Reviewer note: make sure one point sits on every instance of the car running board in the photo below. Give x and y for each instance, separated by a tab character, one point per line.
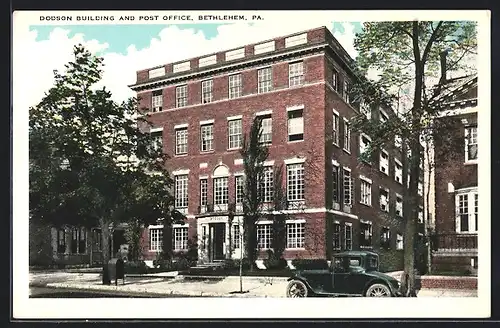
325	293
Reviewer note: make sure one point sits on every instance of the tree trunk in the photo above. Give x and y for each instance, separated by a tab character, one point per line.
229	251
105	256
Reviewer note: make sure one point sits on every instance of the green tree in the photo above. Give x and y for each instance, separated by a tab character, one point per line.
90	163
407	57
279	217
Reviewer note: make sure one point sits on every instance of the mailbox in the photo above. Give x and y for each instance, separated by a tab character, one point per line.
116	270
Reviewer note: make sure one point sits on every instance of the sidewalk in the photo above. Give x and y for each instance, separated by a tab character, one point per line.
256	287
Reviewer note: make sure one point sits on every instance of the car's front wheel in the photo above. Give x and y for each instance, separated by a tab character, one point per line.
296	288
378	290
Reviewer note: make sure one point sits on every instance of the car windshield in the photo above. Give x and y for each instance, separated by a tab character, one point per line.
372	263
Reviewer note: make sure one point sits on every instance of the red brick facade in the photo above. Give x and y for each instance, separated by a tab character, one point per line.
318	100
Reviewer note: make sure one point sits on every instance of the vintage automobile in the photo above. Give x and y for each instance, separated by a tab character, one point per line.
351	273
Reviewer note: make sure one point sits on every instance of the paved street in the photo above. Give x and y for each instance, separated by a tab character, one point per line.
90	285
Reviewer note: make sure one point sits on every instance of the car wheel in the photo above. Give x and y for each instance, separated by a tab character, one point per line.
296	288
378	290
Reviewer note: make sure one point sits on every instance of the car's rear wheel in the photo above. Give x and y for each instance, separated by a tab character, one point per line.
296	288
378	290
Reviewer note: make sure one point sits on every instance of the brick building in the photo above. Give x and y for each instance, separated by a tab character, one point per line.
200	108
454	185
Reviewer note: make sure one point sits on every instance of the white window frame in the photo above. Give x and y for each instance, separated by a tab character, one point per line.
239	185
385	236
399	205
467	208
207	88
399	241
366	191
267	187
180	238
297	122
295	183
365	109
347	136
336	236
155	239
157	137
181	191
203	192
347	236
336	185
235	236
207	137
264	233
235	86
221	191
398	142
181	96
265	79
384	163
266	136
471	139
295	235
335	79
335	128
381	199
235	133
157	101
398	171
368	232
181	141
363	146
347	187
346	87
295	74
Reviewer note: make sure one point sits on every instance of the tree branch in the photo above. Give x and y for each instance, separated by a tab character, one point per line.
433	38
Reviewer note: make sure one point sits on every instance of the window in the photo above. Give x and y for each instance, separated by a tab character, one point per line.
74	241
347	136
180	238
181	96
364	142
264	236
335	185
82	240
207	91
398	142
295	182
398	171
467	206
399	205
295	235
384	199
234	127
365	234
78	241
157	101
181	141
399	241
181	191
335	79
348	188
266	189
96	240
348	236
155	239
366	192
265	80
157	140
221	196
336	236
383	116
235	86
335	129
235	236
207	137
295	74
346	90
366	110
471	143
295	125
385	237
384	162
203	192
266	129
239	189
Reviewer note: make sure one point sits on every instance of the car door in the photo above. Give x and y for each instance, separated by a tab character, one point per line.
354	279
339	273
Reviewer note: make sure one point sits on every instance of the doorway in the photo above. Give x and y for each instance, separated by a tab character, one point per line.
217	241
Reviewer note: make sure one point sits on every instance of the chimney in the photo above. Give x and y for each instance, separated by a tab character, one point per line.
443	55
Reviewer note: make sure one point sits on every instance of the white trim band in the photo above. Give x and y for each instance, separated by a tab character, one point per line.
295	107
335	163
181	126
236	117
295	221
268	163
207	122
264	113
158	129
180	172
362	177
294	161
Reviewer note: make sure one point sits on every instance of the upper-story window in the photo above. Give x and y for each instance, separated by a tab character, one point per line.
207	137
235	133
398	171
366	110
471	145
366	191
348	187
296	74
207	91
266	189
398	142
157	137
399	205
384	161
364	143
346	90
335	79
295	125
181	191
235	86
295	181
181	96
384	199
466	202
157	101
335	128
266	135
347	136
265	79
181	140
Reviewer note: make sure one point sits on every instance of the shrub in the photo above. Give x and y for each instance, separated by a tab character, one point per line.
230	264
245	264
275	264
310	264
138	267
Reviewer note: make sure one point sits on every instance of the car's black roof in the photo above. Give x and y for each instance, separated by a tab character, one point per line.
356	253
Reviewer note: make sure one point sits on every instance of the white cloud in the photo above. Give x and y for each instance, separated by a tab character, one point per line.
35	60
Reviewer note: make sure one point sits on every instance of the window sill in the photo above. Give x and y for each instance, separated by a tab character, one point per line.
295	249
336	144
347	151
295	141
232	149
203	152
368	205
180	155
472	162
467	232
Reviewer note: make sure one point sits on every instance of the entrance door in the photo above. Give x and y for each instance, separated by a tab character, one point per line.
218	235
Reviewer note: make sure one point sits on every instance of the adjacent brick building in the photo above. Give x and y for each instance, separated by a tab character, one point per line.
454	181
200	108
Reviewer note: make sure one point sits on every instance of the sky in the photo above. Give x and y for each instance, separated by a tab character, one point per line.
128	48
